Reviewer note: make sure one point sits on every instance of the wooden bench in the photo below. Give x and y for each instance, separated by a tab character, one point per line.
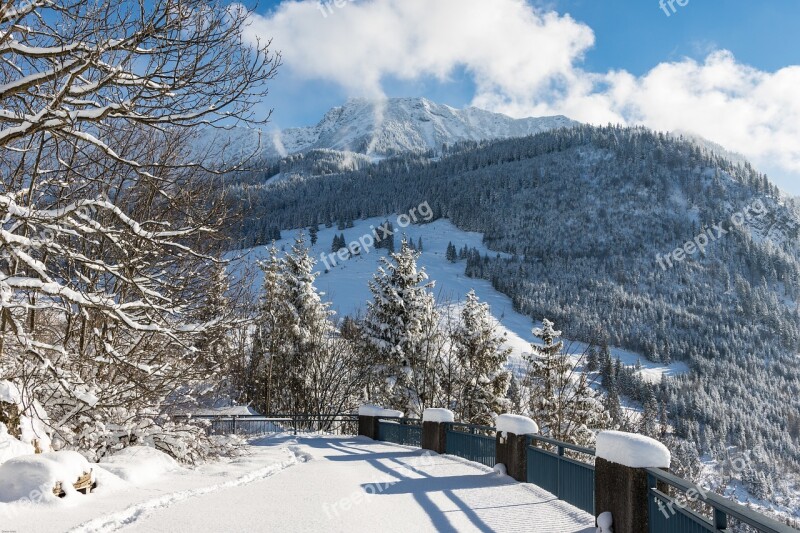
84	485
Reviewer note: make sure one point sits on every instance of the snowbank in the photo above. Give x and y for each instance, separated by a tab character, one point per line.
33	477
374	410
139	464
516	424
604	523
441	416
631	450
11	447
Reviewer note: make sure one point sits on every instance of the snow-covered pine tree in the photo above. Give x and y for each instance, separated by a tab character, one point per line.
451	254
648	424
479	350
400	331
270	340
561	400
308	324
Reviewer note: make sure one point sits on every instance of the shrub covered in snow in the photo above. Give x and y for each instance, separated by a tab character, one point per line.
139	464
11	447
29	419
187	441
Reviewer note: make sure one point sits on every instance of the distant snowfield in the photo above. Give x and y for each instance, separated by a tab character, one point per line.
346	284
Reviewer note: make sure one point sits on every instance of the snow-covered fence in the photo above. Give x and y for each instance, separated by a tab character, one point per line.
472	442
667	508
405	431
625	480
571	479
326	424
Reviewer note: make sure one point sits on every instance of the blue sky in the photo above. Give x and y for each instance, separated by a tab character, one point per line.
723	70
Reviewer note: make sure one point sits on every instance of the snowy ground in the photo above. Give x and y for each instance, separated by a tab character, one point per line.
314	484
345	284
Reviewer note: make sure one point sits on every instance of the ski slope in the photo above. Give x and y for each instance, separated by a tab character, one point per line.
345	284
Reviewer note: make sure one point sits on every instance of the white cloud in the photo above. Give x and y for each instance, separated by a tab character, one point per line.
527	62
506	45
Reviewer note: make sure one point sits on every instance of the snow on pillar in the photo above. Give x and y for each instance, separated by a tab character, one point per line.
512	444
368	417
620	485
434	429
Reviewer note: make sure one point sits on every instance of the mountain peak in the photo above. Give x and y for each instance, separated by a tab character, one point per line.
379	127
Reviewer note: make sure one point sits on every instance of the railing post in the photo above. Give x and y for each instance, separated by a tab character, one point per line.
369	417
622	487
435	423
720	520
512	444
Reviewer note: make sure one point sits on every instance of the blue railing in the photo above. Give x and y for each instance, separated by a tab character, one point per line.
405	431
253	425
472	442
669	514
568	479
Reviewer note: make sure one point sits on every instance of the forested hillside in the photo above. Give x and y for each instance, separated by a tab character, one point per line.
588	215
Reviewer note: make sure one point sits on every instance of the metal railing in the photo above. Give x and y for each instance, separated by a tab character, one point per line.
405	431
552	465
252	425
568	479
669	514
472	442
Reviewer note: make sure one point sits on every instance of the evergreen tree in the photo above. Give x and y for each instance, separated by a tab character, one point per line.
292	328
313	233
482	358
400	324
592	360
450	255
561	400
649	422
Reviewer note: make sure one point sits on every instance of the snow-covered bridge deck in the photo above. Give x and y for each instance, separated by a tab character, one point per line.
355	484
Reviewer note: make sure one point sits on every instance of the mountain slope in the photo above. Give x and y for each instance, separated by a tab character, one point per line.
583	214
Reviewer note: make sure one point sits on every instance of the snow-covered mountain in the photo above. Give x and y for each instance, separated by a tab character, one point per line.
390	126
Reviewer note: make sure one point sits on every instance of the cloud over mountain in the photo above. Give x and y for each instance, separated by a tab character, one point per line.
527	62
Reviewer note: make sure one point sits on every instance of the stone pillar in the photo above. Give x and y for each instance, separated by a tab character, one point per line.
621	479
512	451
434	429
512	444
368	426
368	418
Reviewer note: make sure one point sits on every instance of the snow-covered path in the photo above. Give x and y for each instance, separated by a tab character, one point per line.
354	484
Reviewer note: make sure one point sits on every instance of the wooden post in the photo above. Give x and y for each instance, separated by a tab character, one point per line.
512	451
435	423
512	444
621	484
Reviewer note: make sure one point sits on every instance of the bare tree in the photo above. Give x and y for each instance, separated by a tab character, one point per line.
108	212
